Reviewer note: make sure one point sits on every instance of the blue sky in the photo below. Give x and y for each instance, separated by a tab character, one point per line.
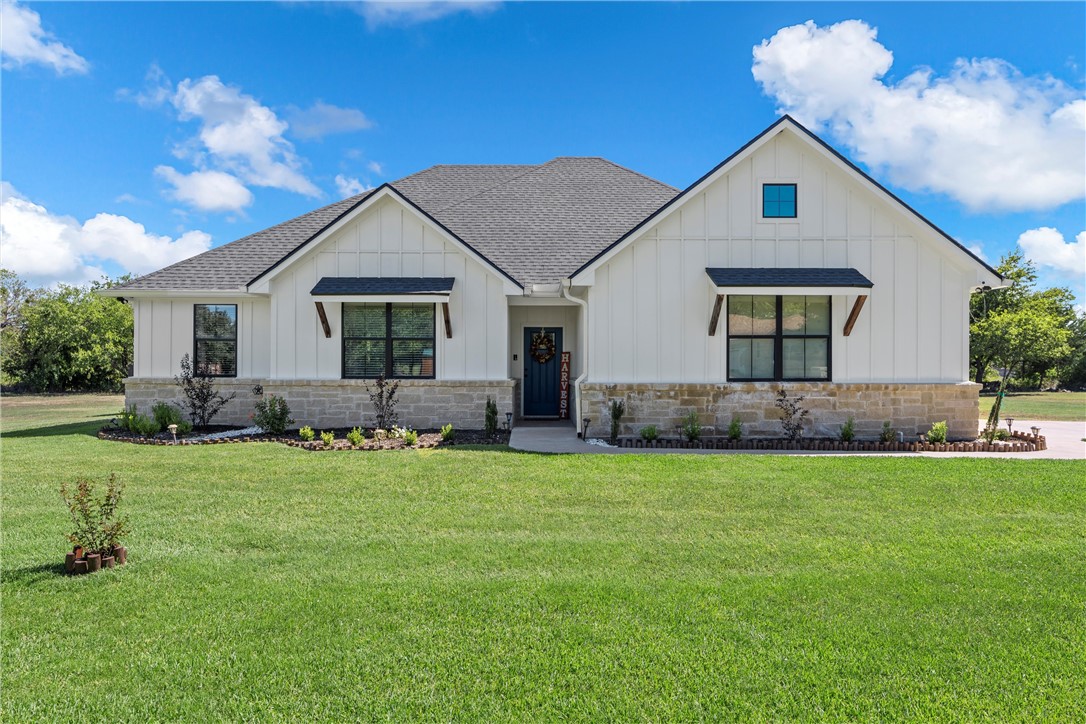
135	134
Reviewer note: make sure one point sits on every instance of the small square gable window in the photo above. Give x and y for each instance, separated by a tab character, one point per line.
778	201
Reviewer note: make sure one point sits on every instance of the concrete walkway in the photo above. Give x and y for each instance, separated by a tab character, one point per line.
1064	443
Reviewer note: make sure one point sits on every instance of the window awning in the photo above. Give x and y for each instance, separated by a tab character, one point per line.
788	280
383	289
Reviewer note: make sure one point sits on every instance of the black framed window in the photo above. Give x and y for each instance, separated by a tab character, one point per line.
778	338
778	201
215	340
390	339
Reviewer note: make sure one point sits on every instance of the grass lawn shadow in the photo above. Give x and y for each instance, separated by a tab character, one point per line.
72	428
34	574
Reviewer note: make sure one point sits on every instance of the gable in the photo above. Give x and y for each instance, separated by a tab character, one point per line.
837	202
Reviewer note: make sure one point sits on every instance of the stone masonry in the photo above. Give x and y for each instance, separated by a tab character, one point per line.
422	404
910	408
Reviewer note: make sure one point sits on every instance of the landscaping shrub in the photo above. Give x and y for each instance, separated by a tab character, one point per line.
937	433
888	434
272	413
848	431
383	399
144	425
735	429
490	417
410	438
306	433
201	398
447	432
126	416
692	426
618	409
379	434
792	414
649	433
166	414
356	437
328	438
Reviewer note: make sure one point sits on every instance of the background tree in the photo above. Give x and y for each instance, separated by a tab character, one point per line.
1025	331
70	338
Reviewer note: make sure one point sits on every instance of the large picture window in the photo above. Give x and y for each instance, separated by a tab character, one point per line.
215	340
778	338
394	340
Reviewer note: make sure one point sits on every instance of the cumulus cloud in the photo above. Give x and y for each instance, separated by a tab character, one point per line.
240	135
206	190
376	167
47	248
350	186
984	134
324	119
1047	247
404	12
23	41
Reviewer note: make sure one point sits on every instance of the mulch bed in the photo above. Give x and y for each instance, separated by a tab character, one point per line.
427	439
1018	442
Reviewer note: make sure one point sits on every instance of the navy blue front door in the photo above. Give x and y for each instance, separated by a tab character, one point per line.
541	379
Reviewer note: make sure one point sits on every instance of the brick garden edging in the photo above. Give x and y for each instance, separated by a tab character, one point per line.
426	440
1020	442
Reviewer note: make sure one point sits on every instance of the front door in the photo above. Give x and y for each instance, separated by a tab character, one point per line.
542	365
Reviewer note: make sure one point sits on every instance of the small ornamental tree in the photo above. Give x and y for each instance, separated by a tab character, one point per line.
202	400
793	414
383	399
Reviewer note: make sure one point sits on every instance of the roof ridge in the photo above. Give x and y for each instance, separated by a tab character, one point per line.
530	169
637	173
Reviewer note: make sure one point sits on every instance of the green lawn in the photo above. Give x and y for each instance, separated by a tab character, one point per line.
1070	406
265	582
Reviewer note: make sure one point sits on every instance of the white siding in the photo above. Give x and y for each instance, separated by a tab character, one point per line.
650	304
389	241
163	335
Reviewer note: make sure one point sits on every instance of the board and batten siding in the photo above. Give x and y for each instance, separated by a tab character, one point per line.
387	240
650	303
164	327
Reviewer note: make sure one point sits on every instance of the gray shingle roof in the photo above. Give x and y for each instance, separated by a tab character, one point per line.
231	266
536	223
334	286
787	277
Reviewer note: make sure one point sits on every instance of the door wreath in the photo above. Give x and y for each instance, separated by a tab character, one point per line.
542	347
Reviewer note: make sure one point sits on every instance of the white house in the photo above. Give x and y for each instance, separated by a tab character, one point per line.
783	267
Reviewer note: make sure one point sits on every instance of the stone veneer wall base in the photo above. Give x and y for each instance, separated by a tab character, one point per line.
422	404
909	407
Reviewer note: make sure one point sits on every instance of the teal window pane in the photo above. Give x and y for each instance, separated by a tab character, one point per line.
779	201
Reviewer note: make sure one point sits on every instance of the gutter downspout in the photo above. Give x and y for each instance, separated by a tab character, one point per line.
566	284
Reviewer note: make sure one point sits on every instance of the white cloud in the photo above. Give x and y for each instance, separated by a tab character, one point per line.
404	12
126	198
47	248
376	168
206	190
240	135
983	134
324	119
1046	247
24	42
349	186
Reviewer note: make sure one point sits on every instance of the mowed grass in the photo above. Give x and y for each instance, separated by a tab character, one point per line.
1069	406
266	582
